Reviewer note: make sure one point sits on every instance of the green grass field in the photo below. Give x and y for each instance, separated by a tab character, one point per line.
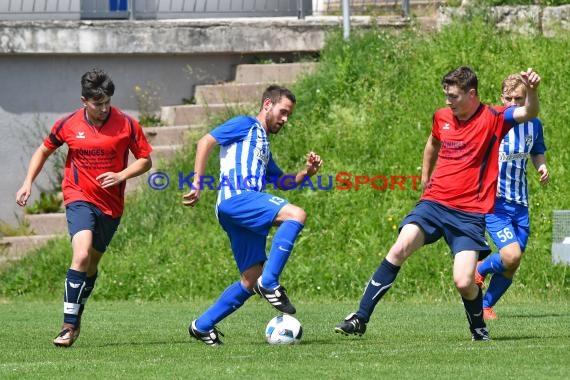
143	340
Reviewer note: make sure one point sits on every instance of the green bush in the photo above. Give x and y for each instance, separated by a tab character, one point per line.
367	111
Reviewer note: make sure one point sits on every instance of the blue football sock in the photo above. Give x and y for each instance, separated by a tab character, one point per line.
378	285
74	289
89	286
497	287
230	300
474	311
281	248
492	264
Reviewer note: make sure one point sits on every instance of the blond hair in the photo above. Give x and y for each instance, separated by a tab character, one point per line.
513	82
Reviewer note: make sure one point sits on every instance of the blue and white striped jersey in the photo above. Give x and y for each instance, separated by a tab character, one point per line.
246	163
522	141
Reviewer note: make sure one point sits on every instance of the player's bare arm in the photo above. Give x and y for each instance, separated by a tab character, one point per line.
531	107
431	151
539	162
203	149
34	168
140	166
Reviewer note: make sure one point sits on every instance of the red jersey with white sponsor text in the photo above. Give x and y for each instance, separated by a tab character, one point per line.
94	151
465	177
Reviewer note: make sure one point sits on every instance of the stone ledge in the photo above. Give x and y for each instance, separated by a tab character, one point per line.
14	248
47	224
204	36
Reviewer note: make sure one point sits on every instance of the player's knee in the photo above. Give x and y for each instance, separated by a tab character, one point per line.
398	253
511	259
249	276
80	260
248	284
512	264
463	284
292	212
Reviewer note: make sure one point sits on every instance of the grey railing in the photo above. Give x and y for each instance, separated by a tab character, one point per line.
175	9
179	9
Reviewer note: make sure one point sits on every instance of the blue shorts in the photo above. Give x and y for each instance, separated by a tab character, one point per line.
462	231
510	223
247	218
83	215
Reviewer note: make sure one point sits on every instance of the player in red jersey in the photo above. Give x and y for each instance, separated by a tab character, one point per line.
458	192
99	138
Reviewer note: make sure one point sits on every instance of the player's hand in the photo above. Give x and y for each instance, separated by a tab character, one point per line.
425	182
191	198
543	173
531	78
109	179
23	195
314	163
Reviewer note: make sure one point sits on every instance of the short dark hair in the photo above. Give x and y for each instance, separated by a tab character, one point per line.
95	84
463	77
275	93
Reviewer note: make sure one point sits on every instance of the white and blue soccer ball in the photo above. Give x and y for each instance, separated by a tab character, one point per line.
284	329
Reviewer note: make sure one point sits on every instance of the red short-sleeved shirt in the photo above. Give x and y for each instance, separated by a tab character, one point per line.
465	176
93	151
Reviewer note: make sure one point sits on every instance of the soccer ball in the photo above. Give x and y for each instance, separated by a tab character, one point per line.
284	329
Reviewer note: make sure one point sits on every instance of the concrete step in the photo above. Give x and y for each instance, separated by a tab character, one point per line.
232	92
197	115
47	224
168	135
273	73
13	248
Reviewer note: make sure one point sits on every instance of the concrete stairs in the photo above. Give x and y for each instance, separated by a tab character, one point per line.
218	101
213	103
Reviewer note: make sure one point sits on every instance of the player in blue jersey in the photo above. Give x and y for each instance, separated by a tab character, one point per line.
509	225
246	212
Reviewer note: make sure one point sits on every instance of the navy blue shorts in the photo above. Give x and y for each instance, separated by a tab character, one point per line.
462	231
83	215
247	218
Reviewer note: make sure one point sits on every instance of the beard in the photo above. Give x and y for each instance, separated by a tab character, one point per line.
272	125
